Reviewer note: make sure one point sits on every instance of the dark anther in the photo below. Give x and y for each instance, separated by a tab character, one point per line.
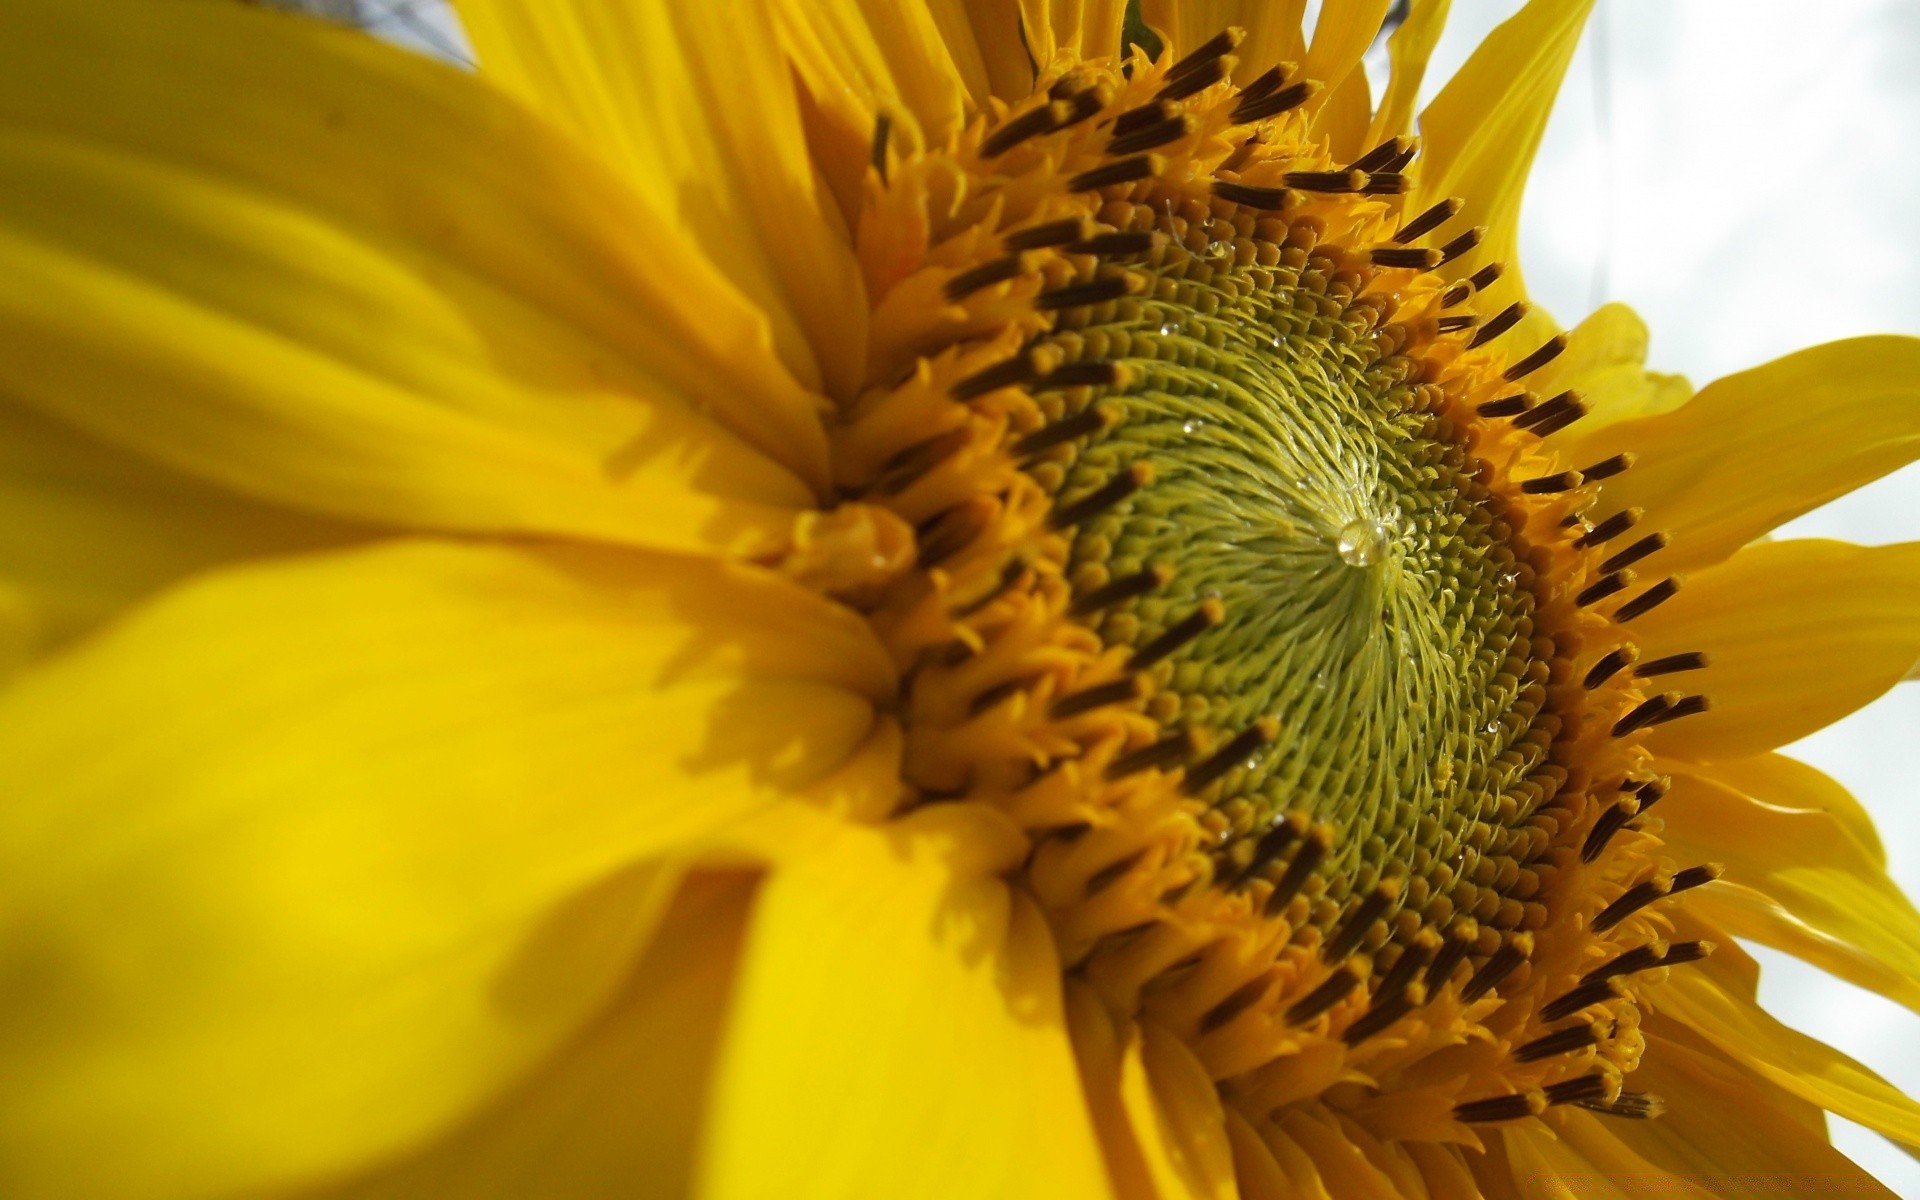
1581	1088
1272	844
1108	494
1608	529
1385	1011
1547	410
877	149
1083	104
1686	706
1484	277
1267	199
1632	554
1158	134
1238	1001
1607	468
994	695
1583	996
1427	221
1210	613
985	275
1411	258
1116	245
1627	962
1638	1106
1197	80
1229	756
1377	158
1608	665
1455	295
1455	322
1460	245
1029	124
1414	956
1612	821
1168	752
1220	43
1650	791
1504	962
1501	1108
1094	291
1632	901
1539	358
1692	660
1505	406
1644	713
1548	426
1116	591
1331	991
1285	99
1306	857
1459	940
1088	372
1009	575
1504	320
1089	420
1352	931
1266	84
951	530
1117	691
1112	873
1547	485
1135	119
1603	587
1648	600
1560	1041
1386	183
916	460
1121	170
1053	233
1326	181
1399	161
1010	372
1681	953
1693	877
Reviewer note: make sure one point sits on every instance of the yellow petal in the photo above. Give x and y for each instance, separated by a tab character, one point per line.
1340	37
1797	880
1273	29
86	530
306	859
695	105
1081	28
1176	1109
1408	52
1341	1166
614	1114
1789	783
860	62
896	1029
1480	133
1344	115
1755	449
377	290
994	34
1799	634
1605	361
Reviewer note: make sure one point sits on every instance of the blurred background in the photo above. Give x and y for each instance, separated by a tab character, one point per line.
1745	174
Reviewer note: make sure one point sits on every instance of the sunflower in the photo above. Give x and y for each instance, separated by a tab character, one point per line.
845	600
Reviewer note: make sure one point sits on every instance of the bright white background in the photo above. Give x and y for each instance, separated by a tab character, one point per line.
1746	174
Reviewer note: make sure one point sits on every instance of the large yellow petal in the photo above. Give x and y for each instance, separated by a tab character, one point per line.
305	860
1605	361
1340	37
695	104
375	289
896	1029
1408	52
1755	449
1586	1162
86	530
1273	29
1797	879
1800	634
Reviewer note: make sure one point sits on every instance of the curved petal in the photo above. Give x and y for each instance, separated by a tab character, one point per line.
1796	879
1605	361
1082	29
1788	783
376	289
694	104
1340	37
65	498
896	1029
1273	28
860	62
1753	450
1408	52
1342	1167
288	853
1799	634
1176	1111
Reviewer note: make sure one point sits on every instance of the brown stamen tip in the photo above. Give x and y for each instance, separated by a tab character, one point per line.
1352	931
1414	957
983	276
1238	1001
1224	42
1088	372
1560	1041
1108	494
1405	258
1283	100
1385	1011
1608	665
1552	349
1209	614
1332	990
1199	79
1686	706
1164	754
1262	732
1377	159
1585	995
1336	182
1272	844
1052	233
877	147
1607	585
1504	320
1581	1088
1456	295
1455	322
1113	872
1501	1108
1012	372
1307	856
1153	136
1504	962
1266	199
1650	791
1484	277
1607	468
1121	170
1627	962
1030	124
1459	939
1609	529
1692	660
1505	406
1399	161
1125	244
1462	244
1546	411
1650	544
1118	691
1632	901
1637	1106
1547	485
916	460
1118	591
1648	600
1644	713
1386	183
1266	84
1682	953
1693	877
1610	822
1094	291
1088	421
1151	113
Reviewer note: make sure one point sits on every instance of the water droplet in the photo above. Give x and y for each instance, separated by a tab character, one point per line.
1191	426
1219	249
1362	541
1169	328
